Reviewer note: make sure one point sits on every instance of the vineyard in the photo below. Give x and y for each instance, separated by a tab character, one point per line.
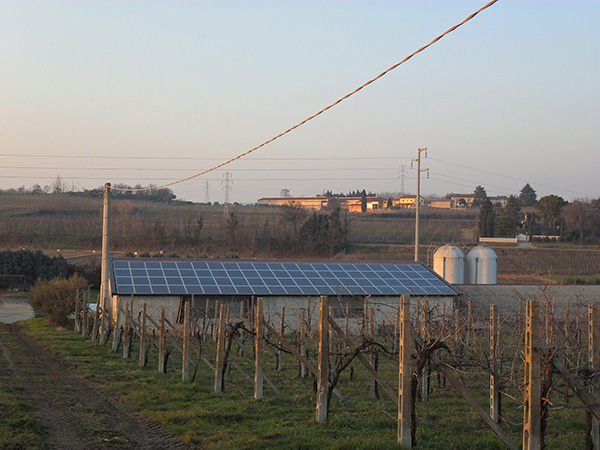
530	375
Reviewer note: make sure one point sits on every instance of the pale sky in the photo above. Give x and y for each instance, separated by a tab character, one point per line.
162	90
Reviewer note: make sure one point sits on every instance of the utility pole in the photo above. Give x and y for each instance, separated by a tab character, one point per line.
104	294
402	172
226	187
418	198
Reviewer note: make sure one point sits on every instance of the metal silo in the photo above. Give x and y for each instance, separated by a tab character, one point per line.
449	263
482	266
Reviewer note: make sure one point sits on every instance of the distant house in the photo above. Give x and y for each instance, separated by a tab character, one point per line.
499	200
354	204
445	204
461	200
317	202
466	200
408	201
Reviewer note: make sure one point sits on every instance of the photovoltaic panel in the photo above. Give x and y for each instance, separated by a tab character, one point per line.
180	277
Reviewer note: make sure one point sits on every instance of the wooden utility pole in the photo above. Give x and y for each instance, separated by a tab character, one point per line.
418	199
323	367
405	376
258	362
104	291
532	430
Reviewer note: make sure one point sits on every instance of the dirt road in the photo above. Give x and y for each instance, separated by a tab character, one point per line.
76	414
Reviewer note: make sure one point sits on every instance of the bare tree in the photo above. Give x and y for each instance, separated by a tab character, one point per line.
294	214
59	185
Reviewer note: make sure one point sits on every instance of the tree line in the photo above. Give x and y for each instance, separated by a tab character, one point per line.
552	215
36	265
120	190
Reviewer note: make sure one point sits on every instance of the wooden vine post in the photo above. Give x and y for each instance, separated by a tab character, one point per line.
215	328
204	320
258	361
323	367
96	324
405	376
185	364
301	350
494	366
347	319
220	364
116	333
374	357
77	328
532	407
280	350
126	336
161	342
143	349
426	375
594	357
84	312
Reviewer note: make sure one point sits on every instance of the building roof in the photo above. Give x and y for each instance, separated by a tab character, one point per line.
300	200
509	299
148	276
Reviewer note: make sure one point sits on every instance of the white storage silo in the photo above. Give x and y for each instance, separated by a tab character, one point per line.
449	263
482	266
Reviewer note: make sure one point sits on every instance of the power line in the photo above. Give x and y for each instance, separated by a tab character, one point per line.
141	169
196	158
318	113
509	177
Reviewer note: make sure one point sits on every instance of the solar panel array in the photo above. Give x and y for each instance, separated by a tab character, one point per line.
180	277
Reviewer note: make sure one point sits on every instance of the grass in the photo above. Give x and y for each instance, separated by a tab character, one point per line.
18	428
579	279
235	420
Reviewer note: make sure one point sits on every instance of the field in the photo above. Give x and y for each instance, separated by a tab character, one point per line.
72	225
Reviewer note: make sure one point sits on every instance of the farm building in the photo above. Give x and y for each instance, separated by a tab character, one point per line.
169	283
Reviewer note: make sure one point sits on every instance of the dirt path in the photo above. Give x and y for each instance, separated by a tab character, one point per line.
76	414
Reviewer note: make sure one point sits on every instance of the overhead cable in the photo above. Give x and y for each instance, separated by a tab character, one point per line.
337	102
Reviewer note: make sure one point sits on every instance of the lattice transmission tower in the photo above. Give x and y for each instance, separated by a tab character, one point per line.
226	182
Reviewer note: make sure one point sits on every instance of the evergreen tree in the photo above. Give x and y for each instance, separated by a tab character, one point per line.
549	208
479	196
527	196
363	201
487	217
510	218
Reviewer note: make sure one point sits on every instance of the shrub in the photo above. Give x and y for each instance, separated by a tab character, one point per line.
55	299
